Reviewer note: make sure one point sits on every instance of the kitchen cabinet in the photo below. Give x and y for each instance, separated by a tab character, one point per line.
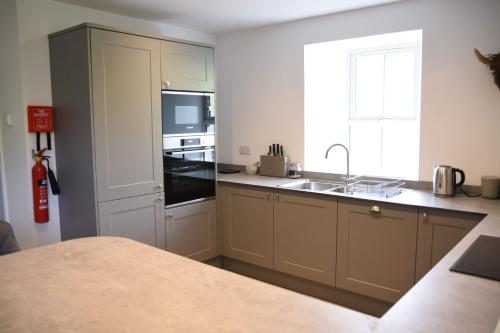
247	224
376	248
438	232
127	114
187	67
191	230
106	93
140	218
305	233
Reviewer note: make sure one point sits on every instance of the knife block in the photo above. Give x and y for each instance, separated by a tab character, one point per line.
274	166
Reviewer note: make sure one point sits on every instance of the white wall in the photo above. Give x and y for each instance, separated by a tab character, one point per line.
25	25
261	75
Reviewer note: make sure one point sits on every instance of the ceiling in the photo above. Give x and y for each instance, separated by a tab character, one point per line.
220	16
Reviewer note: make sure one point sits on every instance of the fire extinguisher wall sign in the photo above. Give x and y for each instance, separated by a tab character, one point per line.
40	190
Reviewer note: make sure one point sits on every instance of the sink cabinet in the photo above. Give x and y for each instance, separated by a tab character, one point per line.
438	232
305	232
377	246
247	224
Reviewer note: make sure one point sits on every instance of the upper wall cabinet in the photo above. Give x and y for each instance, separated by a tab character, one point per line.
127	114
187	67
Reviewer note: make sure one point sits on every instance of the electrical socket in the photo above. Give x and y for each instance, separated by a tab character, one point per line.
244	150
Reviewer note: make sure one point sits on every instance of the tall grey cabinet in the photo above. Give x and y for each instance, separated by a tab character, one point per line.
106	90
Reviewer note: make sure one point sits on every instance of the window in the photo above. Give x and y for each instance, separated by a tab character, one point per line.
364	93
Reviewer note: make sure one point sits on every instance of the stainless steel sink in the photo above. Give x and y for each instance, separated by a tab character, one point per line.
341	189
357	186
311	185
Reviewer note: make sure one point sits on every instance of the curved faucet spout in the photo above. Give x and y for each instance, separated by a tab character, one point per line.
347	154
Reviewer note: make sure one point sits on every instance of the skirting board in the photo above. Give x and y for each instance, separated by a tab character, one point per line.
338	296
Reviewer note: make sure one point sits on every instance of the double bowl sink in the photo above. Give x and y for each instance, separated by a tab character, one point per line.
362	186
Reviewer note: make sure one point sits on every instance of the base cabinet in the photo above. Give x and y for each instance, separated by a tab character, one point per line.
305	233
438	232
376	248
139	218
247	224
191	230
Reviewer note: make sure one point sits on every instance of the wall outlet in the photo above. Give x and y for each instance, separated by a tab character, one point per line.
244	150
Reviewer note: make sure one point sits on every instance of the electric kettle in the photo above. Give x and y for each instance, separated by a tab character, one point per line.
445	180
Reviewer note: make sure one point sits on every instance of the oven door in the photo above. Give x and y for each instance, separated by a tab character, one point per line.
183	112
189	175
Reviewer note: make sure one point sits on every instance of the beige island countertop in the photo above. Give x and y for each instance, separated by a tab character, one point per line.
108	284
442	301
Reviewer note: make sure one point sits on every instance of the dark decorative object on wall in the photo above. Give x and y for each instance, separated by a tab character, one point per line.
493	62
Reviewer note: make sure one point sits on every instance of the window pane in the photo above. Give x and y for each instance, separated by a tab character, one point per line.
368	86
365	146
400	84
400	149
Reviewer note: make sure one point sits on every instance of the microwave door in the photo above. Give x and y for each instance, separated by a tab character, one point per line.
182	113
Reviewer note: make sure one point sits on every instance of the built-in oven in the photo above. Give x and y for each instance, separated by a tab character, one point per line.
189	168
187	112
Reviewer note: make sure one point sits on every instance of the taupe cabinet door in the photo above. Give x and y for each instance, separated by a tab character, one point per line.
127	123
376	250
438	232
192	231
140	218
305	233
247	221
187	67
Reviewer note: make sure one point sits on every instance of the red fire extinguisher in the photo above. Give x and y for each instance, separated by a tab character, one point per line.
40	190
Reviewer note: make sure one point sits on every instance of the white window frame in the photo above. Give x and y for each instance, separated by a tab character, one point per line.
381	120
351	100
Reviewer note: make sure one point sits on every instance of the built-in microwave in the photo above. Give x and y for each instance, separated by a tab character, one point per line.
187	112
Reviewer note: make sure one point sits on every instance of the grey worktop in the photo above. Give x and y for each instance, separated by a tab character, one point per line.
411	197
442	301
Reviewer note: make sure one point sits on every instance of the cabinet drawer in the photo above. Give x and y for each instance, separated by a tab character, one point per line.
376	249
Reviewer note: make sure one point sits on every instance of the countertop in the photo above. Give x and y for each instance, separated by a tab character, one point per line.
442	301
111	284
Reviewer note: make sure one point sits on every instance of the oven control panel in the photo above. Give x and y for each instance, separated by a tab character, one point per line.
191	141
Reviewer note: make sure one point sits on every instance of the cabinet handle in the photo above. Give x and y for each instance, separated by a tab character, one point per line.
167	83
375	209
424	216
159	186
277	196
170	215
159	199
268	195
